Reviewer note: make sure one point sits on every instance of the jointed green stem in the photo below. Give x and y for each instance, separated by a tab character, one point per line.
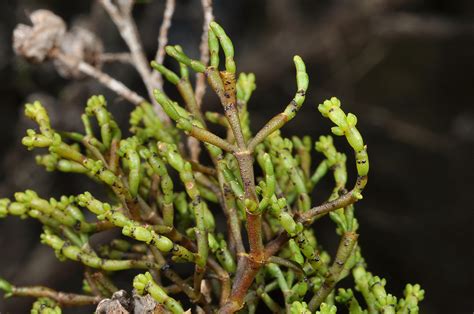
281	119
346	246
77	254
144	283
191	128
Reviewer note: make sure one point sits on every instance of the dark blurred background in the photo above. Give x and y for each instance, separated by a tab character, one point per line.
405	67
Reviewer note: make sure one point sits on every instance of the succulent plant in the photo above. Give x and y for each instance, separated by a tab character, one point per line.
166	201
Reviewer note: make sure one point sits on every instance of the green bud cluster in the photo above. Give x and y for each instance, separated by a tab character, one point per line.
168	203
327	309
346	125
144	283
45	306
298	307
378	300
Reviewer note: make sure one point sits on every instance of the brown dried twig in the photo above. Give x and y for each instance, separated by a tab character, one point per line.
121	15
163	40
204	50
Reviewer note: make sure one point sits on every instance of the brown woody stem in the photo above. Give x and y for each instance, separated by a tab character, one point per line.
247	272
60	297
223	84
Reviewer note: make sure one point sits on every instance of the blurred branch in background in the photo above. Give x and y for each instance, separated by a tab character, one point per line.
163	40
421	25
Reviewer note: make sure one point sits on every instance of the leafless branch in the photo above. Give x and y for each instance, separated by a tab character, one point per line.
103	78
163	40
123	57
194	148
406	24
203	48
121	15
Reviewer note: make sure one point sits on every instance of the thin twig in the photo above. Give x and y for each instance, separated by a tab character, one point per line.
200	89
100	76
128	30
285	262
174	277
60	297
123	19
222	274
163	41
123	57
340	202
203	169
194	148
